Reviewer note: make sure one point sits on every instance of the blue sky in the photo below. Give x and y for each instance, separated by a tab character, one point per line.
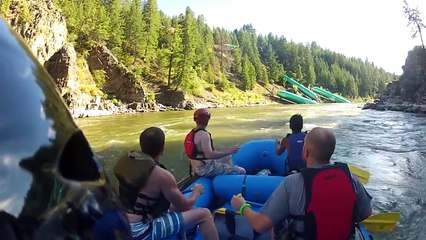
373	29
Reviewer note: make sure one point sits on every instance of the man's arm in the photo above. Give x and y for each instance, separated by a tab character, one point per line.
206	147
282	146
273	211
362	206
174	195
260	222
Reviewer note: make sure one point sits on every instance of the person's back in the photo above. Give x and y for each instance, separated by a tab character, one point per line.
294	157
322	201
294	144
147	190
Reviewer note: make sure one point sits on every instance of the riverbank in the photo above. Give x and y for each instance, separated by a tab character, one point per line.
400	107
98	111
164	100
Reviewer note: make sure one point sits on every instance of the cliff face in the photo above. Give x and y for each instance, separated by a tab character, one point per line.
413	80
62	66
409	92
118	80
45	32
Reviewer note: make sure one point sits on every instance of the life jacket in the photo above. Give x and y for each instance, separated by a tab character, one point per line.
132	172
191	149
294	158
330	204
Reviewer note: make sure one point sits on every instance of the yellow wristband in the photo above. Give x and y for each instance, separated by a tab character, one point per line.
245	205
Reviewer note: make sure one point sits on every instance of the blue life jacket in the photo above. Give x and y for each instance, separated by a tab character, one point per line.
294	159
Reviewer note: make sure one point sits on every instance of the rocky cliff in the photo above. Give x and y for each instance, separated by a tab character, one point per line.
118	80
43	27
409	92
45	30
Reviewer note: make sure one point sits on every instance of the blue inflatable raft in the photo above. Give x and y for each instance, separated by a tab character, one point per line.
255	156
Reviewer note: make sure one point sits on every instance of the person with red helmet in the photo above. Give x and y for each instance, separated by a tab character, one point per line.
205	160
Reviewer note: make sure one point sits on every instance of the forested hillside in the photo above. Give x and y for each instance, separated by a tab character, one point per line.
183	52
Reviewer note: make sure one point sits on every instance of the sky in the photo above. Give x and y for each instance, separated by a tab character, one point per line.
368	29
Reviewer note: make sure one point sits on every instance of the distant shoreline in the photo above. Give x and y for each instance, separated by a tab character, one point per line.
402	107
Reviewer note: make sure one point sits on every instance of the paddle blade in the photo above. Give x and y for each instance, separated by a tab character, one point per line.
361	174
381	223
221	211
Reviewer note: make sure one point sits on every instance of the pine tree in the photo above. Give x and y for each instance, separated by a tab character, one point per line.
133	30
188	51
238	61
71	12
4	7
152	21
204	44
93	24
414	19
249	74
116	26
170	42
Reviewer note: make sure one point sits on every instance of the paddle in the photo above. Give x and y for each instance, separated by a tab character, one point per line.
361	174
382	222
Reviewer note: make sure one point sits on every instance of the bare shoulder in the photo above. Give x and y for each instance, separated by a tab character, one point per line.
203	133
202	136
162	176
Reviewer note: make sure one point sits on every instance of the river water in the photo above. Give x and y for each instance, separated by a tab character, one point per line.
390	145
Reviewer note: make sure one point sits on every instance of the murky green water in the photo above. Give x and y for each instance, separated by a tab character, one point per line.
390	145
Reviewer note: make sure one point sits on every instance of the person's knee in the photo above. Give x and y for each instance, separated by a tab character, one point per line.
205	214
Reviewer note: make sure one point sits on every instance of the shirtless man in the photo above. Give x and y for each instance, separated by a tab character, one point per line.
147	190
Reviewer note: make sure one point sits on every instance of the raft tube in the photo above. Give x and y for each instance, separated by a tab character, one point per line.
256	155
294	97
329	95
309	93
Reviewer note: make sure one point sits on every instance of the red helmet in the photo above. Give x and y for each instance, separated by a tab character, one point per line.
202	116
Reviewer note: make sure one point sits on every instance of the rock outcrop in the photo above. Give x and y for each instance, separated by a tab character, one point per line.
174	98
413	79
63	69
119	81
62	66
408	94
77	87
45	32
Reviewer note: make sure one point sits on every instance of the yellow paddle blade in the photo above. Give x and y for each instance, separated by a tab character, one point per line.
382	222
361	174
221	211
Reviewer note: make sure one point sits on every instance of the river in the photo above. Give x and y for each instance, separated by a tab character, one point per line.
390	145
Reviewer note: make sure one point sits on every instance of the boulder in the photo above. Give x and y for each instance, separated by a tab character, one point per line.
119	81
173	98
62	66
